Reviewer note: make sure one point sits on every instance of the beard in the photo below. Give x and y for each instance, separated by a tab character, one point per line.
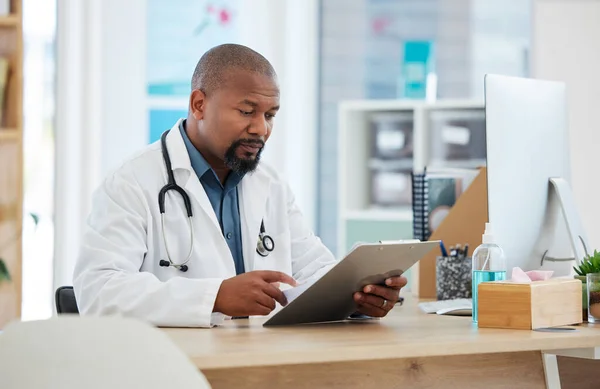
246	164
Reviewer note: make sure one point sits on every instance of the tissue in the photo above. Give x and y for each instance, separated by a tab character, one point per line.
518	275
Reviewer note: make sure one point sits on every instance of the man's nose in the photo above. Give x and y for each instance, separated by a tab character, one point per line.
259	126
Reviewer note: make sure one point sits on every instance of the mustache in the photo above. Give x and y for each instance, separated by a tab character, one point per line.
248	142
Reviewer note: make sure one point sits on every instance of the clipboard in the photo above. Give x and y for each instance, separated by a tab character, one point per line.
330	298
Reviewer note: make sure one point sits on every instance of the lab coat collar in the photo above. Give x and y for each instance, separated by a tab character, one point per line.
254	192
180	160
197	160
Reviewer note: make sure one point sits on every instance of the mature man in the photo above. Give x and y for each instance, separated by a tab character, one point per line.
194	229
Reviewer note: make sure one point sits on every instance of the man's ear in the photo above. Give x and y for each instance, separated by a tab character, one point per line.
197	104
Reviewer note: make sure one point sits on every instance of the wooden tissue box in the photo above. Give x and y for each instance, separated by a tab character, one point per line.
539	304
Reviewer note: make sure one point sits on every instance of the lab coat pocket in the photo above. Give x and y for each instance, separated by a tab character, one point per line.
280	258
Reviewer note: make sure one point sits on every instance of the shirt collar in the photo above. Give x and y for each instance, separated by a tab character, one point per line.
200	165
198	162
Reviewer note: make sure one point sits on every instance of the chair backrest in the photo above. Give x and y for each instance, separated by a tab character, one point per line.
71	352
65	300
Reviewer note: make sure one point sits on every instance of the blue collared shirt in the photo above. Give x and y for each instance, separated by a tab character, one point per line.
223	198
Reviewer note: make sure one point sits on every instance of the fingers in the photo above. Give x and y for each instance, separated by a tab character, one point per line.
276	276
371	305
265	301
259	310
274	292
398	282
375	301
383	292
370	310
266	297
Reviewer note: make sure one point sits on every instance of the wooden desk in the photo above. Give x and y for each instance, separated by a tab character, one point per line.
408	349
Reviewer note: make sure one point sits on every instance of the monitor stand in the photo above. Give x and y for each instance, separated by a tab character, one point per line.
560	197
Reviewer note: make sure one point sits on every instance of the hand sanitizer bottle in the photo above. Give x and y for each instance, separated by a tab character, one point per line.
489	264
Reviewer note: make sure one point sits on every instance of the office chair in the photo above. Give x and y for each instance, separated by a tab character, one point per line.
65	300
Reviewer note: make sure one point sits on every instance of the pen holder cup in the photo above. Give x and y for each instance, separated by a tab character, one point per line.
453	277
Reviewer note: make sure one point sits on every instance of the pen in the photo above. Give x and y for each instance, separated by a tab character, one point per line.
453	252
466	251
443	249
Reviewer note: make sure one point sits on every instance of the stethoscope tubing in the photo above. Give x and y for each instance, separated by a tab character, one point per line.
262	248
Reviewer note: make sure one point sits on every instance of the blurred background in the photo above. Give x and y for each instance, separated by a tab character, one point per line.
371	90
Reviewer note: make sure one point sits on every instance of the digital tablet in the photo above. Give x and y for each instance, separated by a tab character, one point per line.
330	298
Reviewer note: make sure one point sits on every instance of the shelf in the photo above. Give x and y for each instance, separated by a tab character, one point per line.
10	20
391	164
363	170
409	105
11	156
457	163
381	214
9	134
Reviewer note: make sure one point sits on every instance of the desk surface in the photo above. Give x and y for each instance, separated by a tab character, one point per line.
405	333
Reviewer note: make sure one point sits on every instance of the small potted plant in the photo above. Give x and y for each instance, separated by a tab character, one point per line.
593	286
589	265
4	273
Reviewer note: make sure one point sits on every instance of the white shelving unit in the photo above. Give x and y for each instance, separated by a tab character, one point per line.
381	142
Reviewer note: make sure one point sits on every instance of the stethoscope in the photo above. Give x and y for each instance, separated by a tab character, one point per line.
264	246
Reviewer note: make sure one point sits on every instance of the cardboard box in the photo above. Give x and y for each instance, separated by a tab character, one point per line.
539	304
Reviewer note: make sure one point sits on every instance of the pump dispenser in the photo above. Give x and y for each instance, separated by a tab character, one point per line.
489	264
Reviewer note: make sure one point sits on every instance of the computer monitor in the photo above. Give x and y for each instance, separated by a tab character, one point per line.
527	161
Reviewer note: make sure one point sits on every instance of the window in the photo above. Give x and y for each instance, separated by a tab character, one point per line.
39	25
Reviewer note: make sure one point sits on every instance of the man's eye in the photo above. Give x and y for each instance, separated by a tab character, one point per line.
270	115
245	113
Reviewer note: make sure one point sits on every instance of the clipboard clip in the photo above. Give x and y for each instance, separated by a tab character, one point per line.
399	241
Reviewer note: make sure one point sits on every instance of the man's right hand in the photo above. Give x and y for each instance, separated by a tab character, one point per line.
252	293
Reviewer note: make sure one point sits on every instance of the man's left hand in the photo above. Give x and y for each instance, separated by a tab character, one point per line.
378	300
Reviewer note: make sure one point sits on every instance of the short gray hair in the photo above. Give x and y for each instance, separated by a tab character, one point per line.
211	70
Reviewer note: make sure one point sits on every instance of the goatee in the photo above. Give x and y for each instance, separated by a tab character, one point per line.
243	165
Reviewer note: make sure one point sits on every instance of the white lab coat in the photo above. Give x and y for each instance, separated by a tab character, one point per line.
118	270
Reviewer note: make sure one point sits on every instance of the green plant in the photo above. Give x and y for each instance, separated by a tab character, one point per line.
4	273
589	264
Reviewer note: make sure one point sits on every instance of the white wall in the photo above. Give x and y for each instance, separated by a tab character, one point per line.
101	100
565	48
500	33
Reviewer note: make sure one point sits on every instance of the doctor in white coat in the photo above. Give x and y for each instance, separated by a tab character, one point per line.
193	229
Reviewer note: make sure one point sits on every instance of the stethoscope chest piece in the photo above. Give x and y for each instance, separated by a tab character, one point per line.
265	243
